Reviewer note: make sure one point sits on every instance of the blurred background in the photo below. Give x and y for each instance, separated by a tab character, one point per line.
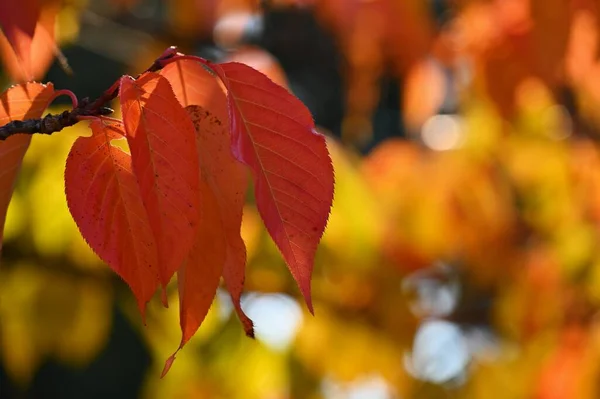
462	257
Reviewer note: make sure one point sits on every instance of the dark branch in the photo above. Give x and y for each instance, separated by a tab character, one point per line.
55	123
51	123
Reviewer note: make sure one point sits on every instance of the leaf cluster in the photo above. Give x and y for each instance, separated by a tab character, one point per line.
174	201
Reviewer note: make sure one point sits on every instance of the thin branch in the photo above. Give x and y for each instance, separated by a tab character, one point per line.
83	110
51	123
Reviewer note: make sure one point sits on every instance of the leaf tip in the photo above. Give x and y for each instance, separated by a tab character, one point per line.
244	319
309	304
168	364
249	329
142	307
304	285
164	299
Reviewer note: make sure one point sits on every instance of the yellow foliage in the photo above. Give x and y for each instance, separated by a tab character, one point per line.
363	228
346	350
511	210
74	313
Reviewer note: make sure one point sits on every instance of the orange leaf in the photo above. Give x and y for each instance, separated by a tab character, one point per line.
223	184
27	46
193	84
262	61
273	133
162	137
199	276
24	101
227	176
105	201
228	181
18	19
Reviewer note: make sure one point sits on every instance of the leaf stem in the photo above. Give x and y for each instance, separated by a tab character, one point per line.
65	92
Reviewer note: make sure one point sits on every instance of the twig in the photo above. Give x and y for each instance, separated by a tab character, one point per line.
83	110
51	123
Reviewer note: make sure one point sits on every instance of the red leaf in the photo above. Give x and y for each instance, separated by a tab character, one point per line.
273	133
162	141
32	61
262	61
218	241
199	276
18	19
228	181
24	101
193	84
105	201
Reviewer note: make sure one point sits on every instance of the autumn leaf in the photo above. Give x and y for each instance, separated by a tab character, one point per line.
227	176
162	137
199	276
24	101
273	133
194	84
105	201
219	248
18	19
28	45
262	61
176	203
228	181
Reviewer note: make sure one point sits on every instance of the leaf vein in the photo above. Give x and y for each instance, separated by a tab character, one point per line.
286	137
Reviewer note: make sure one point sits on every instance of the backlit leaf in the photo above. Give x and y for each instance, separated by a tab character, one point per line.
198	278
105	201
162	141
262	61
193	84
33	64
18	19
24	101
218	242
228	182
200	274
273	133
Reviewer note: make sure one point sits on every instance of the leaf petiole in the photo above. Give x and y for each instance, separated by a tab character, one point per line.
64	92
